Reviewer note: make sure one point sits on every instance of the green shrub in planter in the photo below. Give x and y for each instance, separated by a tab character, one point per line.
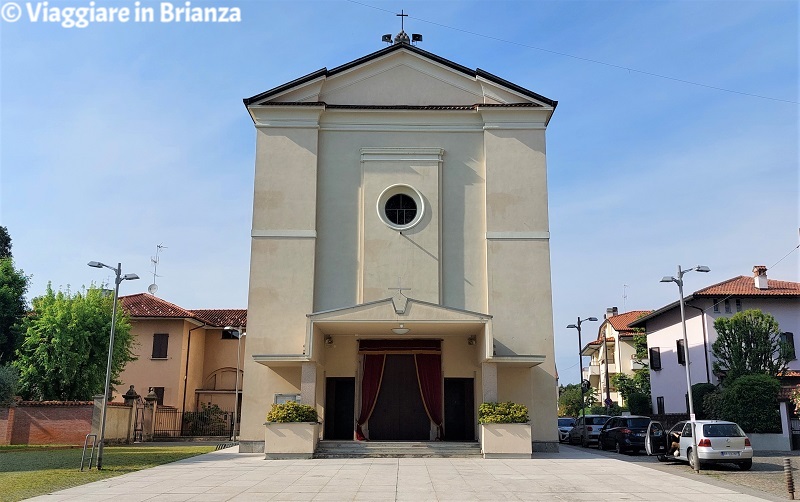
503	413
292	411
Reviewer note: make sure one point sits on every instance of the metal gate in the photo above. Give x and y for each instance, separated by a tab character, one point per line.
213	421
795	433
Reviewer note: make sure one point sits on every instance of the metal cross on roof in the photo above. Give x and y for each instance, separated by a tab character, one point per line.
399	287
402	15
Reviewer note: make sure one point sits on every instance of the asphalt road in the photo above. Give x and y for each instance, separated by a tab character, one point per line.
765	479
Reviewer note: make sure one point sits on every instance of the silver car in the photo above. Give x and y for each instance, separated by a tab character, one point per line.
717	442
587	429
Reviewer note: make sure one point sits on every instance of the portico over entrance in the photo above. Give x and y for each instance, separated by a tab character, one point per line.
402	369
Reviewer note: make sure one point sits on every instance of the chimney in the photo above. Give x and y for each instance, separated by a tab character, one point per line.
760	277
611	312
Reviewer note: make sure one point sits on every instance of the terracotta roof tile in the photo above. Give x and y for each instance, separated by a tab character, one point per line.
147	305
222	317
620	322
745	286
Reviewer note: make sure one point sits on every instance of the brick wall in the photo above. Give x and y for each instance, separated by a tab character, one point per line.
46	423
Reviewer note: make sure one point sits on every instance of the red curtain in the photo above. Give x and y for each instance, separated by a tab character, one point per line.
429	377
370	386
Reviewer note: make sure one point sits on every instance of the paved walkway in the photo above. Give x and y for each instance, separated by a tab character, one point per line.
565	476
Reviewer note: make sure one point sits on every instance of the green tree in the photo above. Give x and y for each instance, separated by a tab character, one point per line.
752	402
13	286
699	393
9	381
65	349
5	243
748	343
569	400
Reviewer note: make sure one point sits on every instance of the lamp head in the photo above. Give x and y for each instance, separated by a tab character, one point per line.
591	319
129	277
667	278
572	326
702	268
95	264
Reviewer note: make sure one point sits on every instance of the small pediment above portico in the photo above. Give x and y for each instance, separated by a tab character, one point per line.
385	311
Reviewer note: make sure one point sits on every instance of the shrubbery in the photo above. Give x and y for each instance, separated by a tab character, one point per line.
9	378
292	411
751	401
699	393
503	413
639	404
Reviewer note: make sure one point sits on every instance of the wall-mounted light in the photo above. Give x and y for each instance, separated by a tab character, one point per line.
472	340
402	330
328	340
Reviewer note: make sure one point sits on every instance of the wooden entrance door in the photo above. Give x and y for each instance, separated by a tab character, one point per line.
399	413
459	409
340	407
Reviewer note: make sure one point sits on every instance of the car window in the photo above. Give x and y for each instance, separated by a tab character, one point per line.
722	431
687	430
596	420
579	422
677	427
566	422
639	423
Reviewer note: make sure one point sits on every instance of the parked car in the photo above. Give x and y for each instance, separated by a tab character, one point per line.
717	442
623	434
565	424
591	424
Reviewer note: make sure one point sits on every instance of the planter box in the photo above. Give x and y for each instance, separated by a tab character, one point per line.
290	439
506	440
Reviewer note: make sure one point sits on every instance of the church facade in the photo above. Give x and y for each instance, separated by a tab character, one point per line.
400	261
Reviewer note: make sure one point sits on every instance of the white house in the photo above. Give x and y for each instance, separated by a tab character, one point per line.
400	264
781	299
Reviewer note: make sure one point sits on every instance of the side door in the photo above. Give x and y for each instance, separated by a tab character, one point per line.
575	433
655	440
686	442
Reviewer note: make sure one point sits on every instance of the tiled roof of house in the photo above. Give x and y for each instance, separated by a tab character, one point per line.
620	322
147	305
745	286
222	317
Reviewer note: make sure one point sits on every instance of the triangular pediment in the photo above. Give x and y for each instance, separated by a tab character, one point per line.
386	310
401	75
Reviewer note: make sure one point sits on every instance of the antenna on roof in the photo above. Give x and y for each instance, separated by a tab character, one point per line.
624	296
153	288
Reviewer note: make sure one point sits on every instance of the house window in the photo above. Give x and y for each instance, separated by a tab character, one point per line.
716	304
738	305
788	340
160	342
655	358
401	209
660	405
227	334
159	392
727	306
681	353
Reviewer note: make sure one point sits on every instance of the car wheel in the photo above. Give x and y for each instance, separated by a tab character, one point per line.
619	447
692	458
661	458
600	444
584	442
746	465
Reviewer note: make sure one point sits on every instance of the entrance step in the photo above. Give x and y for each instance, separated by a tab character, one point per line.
396	449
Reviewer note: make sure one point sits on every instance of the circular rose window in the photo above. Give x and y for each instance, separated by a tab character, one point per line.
400	207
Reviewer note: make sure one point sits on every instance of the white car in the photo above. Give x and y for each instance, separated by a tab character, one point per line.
565	424
717	442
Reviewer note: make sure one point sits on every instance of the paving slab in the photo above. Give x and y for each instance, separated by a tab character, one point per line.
567	476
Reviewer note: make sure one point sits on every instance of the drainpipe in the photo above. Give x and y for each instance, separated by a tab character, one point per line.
705	340
186	370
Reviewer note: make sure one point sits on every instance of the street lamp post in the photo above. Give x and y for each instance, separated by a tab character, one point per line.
117	280
238	334
580	369
679	281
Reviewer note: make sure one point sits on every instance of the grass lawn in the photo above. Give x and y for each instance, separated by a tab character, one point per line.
27	471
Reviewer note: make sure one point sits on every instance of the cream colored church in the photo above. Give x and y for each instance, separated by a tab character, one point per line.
400	269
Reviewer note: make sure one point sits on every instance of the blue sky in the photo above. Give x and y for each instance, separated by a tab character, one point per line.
117	137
